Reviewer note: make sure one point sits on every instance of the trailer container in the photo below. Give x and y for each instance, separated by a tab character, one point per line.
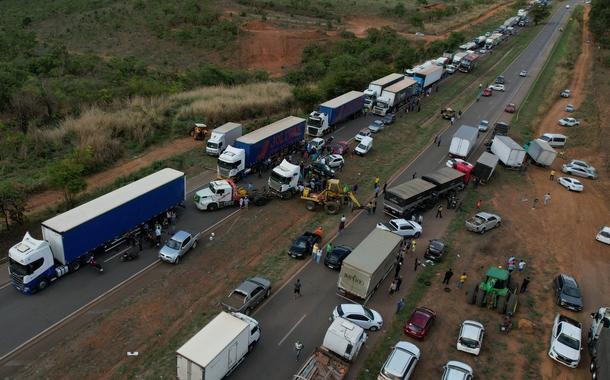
333	112
508	151
463	141
541	152
446	180
376	88
395	96
402	200
485	167
428	76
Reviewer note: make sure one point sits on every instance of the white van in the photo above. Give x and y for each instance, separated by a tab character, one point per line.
554	139
364	146
344	338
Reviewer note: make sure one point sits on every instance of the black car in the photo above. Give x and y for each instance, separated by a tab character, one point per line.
322	169
389	118
435	250
303	245
567	292
500	79
335	258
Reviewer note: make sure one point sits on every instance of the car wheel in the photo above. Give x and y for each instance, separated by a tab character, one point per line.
501	304
268	293
417	235
483	231
194	244
177	260
75	266
374	328
591	177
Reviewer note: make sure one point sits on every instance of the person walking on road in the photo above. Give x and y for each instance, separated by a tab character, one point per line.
297	288
413	245
385	186
398	283
524	284
400	304
342	223
439	211
521	265
298	347
393	287
374	205
448	276
420	219
547	198
552	176
462	280
438	143
416	264
398	267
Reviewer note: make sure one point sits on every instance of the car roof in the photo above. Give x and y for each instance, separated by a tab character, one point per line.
570	330
366	139
352	308
484	214
180	236
400	358
247	286
471	329
420	316
457	370
569	280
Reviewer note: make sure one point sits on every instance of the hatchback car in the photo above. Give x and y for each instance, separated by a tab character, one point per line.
565	93
317	143
334	160
401	362
336	256
389	119
363	133
359	315
500	79
603	235
420	322
435	250
569	108
455	370
365	145
571	184
482	222
322	169
569	122
566	339
483	126
303	245
487	92
579	171
567	292
523	73
177	246
497	87
510	108
402	227
471	337
376	126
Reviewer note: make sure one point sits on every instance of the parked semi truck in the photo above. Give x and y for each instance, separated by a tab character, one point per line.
394	96
457	58
469	62
541	153
485	166
508	151
368	264
222	137
493	40
376	88
598	342
218	348
331	361
333	112
404	200
463	141
255	147
428	76
70	238
284	179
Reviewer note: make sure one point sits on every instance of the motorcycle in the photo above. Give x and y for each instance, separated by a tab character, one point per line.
130	254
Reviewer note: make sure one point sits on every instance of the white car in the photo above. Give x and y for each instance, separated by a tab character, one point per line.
569	122
451	69
569	108
363	133
334	160
571	184
455	370
376	126
567	6
581	164
523	73
401	362
483	126
497	87
451	163
359	315
317	143
578	170
471	337
603	235
402	227
565	93
566	341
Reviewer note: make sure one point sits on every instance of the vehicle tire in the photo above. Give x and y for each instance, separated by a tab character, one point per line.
268	293
332	208
480	297
310	205
212	207
471	297
513	302
374	328
483	231
417	235
177	260
194	245
43	284
248	311
74	266
591	177
501	304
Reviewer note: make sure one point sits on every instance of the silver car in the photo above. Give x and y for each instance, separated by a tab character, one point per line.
247	295
177	246
483	222
577	170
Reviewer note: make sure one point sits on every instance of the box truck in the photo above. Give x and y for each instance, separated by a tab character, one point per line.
395	96
598	342
376	88
508	151
541	152
253	148
218	348
457	58
370	262
485	167
428	76
222	137
468	63
463	141
71	238
333	112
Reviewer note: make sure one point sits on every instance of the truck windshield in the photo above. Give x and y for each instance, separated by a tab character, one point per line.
212	145
278	178
314	122
228	165
24	270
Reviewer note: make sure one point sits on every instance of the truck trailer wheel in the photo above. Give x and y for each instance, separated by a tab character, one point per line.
310	205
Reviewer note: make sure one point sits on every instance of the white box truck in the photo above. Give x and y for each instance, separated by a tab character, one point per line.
376	88
218	348
463	141
222	137
508	151
366	267
541	152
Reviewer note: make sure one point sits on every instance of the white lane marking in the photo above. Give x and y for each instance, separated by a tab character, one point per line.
292	329
5	285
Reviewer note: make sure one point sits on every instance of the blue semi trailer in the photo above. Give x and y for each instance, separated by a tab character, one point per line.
70	238
255	147
334	112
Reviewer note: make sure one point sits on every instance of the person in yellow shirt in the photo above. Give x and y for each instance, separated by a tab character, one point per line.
552	176
462	280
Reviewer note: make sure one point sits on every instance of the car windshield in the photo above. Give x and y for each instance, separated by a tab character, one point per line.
572	291
569	341
300	244
470	343
362	146
484	122
173	244
314	122
415	327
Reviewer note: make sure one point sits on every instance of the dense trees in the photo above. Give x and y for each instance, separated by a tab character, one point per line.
599	21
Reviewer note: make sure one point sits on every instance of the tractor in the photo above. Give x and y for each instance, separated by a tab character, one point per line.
199	131
331	198
495	292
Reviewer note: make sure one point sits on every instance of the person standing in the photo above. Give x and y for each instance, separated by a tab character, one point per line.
246	202
414	174
459	114
413	245
241	203
318	255
398	266
298	347
393	287
439	211
416	264
448	276
355	188
374	205
342	223
377	190
438	143
314	250
452	120
420	219
511	267
521	265
535	203
369	207
376	182
552	176
399	305
463	278
297	288
478	204
524	284
547	198
385	186
329	249
158	234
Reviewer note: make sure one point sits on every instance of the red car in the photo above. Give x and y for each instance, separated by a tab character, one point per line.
420	323
487	92
510	108
340	147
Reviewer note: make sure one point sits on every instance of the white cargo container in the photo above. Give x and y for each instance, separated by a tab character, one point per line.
218	348
222	137
508	151
541	152
463	141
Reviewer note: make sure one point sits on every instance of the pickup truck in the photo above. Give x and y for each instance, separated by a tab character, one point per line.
177	246
303	245
483	221
248	295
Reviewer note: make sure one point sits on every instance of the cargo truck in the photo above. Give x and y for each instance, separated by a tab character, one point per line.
457	58
598	342
333	112
218	348
541	153
494	40
485	166
395	96
222	137
428	76
255	147
463	141
468	63
446	180
411	72
508	151
376	88
368	265
284	179
70	238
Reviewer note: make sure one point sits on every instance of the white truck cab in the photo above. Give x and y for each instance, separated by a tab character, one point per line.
317	123
32	260
217	194
284	178
231	162
222	137
344	338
